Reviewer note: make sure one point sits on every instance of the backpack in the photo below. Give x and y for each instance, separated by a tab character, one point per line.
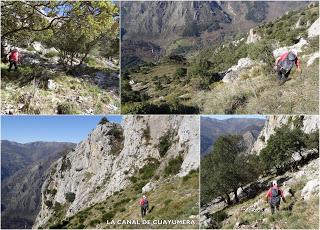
287	64
14	56
145	203
275	196
141	202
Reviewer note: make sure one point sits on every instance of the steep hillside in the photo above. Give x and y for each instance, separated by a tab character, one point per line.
291	145
16	156
235	77
20	165
182	27
117	163
212	128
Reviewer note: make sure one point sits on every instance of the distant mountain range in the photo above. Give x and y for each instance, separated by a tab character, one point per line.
150	28
212	129
24	168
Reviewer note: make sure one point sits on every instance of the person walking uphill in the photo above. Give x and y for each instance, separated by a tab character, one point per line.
274	196
144	205
14	59
285	63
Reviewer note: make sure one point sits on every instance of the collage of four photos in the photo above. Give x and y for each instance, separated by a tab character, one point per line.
160	114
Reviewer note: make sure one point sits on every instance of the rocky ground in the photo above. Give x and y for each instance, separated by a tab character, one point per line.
41	85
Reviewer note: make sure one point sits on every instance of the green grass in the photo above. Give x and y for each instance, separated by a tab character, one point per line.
176	199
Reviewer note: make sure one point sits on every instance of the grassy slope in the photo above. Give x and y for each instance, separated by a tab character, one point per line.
17	88
257	92
174	199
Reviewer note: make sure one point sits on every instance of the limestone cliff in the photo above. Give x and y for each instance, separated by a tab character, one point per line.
308	124
102	165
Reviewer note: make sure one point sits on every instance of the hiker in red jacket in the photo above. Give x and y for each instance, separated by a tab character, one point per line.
285	63
14	59
144	205
274	196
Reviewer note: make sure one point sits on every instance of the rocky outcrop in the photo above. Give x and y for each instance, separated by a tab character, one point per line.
308	123
311	188
313	30
234	72
298	46
103	164
253	37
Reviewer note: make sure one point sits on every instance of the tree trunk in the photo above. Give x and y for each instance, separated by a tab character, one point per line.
236	195
228	199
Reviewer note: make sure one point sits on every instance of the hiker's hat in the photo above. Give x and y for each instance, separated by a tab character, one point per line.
144	197
294	51
274	183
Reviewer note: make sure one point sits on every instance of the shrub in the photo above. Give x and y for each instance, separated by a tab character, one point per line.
66	108
51	54
148	170
57	207
53	192
66	164
133	179
103	121
94	222
181	72
173	166
107	216
146	133
70	196
165	143
48	203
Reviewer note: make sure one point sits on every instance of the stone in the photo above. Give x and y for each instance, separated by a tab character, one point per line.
314	30
312	58
233	73
51	84
312	187
37	46
149	187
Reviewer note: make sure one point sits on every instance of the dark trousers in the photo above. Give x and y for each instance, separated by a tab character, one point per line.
273	207
13	63
143	211
282	75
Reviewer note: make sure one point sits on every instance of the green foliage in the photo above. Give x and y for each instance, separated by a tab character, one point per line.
66	164
146	134
51	54
280	147
165	143
148	171
107	216
103	121
94	222
70	196
231	168
181	72
133	179
312	140
174	165
121	202
48	203
66	108
57	207
262	51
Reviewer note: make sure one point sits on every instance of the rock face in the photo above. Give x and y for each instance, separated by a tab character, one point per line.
313	30
312	187
308	123
253	37
102	164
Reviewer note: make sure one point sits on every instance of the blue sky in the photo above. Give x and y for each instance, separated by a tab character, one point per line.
24	129
224	117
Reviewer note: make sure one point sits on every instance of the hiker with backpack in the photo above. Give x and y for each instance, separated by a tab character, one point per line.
144	205
14	59
285	62
274	196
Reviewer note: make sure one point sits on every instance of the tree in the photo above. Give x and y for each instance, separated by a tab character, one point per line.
226	168
89	23
281	145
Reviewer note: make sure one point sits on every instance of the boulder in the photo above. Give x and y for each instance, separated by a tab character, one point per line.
312	58
149	187
37	46
233	73
313	30
312	187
